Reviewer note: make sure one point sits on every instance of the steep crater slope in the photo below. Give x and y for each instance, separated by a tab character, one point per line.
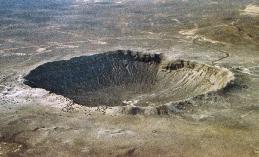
119	77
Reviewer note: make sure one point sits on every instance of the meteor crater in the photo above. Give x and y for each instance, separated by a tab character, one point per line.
115	78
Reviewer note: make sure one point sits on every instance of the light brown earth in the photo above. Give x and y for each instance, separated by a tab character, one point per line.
34	122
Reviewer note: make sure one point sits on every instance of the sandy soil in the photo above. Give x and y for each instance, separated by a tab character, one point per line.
35	122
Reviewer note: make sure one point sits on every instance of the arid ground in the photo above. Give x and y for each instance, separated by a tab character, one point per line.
44	120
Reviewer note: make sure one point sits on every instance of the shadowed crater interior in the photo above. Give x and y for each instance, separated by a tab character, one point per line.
116	78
